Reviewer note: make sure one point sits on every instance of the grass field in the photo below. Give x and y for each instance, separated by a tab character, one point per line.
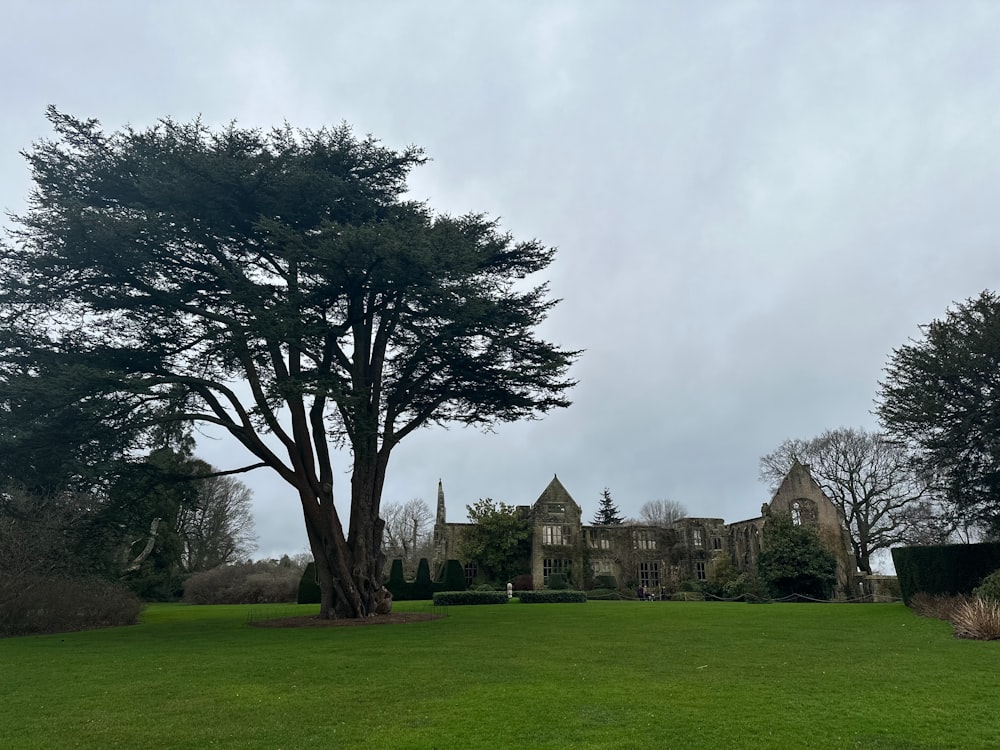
596	675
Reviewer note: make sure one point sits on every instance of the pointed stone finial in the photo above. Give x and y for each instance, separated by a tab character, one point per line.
440	503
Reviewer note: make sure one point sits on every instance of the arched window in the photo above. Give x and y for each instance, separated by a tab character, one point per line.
796	514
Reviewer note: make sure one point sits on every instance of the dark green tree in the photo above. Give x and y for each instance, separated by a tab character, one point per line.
274	284
941	396
499	540
607	512
792	560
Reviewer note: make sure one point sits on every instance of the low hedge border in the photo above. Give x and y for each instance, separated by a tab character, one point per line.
450	598
564	596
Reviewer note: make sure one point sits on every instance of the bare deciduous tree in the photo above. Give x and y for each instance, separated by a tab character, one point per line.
662	512
408	528
219	528
872	480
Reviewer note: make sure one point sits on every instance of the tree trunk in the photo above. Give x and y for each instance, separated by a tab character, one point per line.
366	528
349	571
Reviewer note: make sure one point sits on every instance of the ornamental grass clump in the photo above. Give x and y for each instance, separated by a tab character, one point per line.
937	606
978	619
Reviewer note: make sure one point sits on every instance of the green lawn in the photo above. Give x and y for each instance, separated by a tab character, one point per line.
599	675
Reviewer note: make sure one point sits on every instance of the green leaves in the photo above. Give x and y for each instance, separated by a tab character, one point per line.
607	512
499	540
275	282
793	561
941	395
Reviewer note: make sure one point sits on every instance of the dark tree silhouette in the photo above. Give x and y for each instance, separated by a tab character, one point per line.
274	284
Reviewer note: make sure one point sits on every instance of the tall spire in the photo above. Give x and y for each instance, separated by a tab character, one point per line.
440	508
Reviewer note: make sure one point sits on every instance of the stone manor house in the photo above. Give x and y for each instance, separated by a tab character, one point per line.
657	556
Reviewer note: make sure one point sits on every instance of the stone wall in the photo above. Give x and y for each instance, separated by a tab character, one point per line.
662	556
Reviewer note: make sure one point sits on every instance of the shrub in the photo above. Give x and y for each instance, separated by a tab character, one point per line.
422	587
738	587
793	563
563	596
605	582
523	582
309	592
453	598
722	575
396	572
936	606
49	604
264	582
978	619
990	587
557	582
454	576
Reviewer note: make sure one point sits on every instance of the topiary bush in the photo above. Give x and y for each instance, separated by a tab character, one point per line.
454	598
422	587
558	582
454	576
309	592
564	596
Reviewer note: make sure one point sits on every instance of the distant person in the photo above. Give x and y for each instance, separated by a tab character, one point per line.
641	593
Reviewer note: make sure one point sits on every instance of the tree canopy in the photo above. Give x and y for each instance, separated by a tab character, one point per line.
793	562
941	396
273	283
499	540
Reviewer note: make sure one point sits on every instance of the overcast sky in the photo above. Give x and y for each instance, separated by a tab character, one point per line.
753	202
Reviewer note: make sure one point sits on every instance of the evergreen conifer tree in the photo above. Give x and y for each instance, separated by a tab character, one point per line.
607	512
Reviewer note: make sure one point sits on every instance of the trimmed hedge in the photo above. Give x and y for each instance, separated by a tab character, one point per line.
947	569
423	588
565	596
402	590
558	582
447	598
